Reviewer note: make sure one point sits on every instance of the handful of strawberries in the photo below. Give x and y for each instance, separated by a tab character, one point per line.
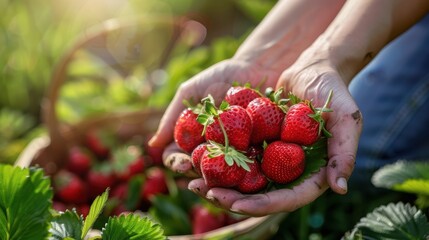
251	140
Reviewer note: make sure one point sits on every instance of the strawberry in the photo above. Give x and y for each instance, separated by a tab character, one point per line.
188	131
196	157
283	162
156	183
59	206
94	142
120	191
127	162
267	116
99	178
303	124
254	180
241	95
206	218
79	161
83	209
222	166
233	119
70	188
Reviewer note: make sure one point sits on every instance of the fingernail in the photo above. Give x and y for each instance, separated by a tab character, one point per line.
195	190
234	210
151	141
342	183
213	200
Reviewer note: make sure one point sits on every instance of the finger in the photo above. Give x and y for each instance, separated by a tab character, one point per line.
283	200
178	161
199	187
223	197
342	149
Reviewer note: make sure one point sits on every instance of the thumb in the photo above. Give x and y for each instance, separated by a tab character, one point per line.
342	149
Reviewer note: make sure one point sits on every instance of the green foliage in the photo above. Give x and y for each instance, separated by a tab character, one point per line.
405	176
392	221
131	226
25	201
66	225
95	211
26	212
170	212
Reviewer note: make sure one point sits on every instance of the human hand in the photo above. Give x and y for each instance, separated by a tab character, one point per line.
215	81
308	79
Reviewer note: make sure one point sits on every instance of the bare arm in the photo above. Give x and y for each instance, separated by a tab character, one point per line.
289	28
363	28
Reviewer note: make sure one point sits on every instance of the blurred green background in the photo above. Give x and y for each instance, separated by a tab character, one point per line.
36	34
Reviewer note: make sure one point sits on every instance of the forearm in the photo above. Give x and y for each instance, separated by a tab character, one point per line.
289	28
362	29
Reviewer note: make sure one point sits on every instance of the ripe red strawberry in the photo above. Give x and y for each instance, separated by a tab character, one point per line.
196	157
83	209
59	206
205	218
120	191
241	95
155	183
223	168
95	143
127	162
304	124
79	161
236	123
70	188
299	127
254	181
188	131
267	115
283	162
99	178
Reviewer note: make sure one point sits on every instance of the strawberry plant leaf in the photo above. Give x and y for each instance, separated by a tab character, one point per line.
168	212
405	176
95	210
132	226
20	189
134	187
65	225
392	221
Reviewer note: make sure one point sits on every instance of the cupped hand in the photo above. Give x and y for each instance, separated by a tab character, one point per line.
215	81
308	79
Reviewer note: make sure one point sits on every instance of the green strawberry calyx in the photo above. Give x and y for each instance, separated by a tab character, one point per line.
276	97
231	155
318	115
209	112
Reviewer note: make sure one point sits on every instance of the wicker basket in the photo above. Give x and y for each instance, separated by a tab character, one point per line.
48	151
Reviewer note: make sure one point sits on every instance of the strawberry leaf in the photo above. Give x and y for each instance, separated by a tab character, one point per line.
66	225
170	214
392	221
95	211
133	194
20	189
132	226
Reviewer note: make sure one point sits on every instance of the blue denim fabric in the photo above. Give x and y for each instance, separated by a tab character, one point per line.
392	93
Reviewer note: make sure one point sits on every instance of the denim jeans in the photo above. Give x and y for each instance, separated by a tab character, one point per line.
392	93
